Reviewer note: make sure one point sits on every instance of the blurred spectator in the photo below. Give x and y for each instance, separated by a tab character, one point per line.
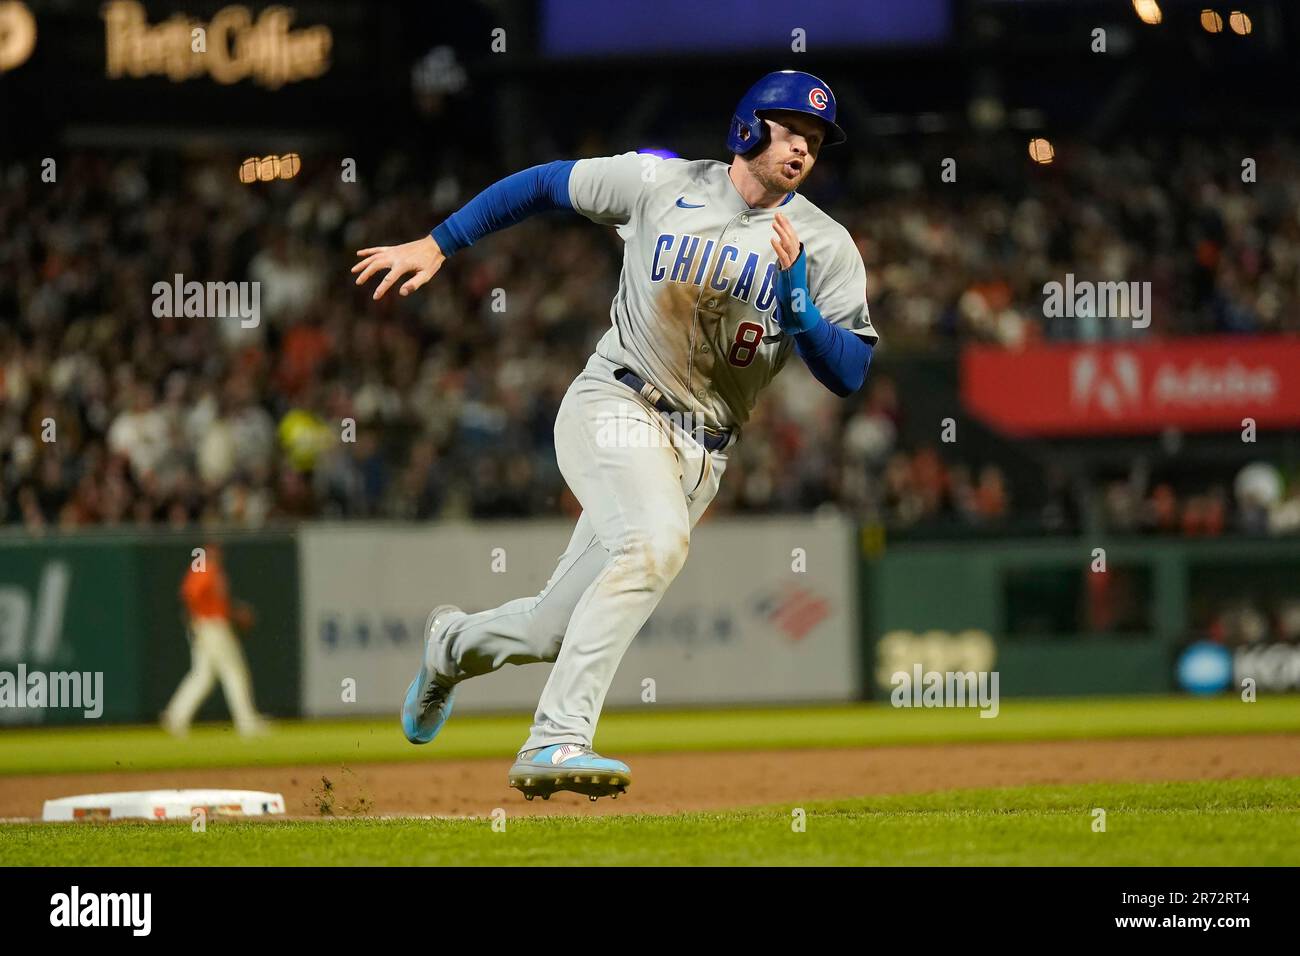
180	420
141	432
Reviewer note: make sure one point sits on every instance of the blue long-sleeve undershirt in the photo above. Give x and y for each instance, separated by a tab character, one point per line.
836	357
542	188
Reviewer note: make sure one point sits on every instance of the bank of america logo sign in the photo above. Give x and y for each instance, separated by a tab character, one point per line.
794	611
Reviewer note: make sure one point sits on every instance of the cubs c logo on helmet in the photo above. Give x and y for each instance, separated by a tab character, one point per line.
782	90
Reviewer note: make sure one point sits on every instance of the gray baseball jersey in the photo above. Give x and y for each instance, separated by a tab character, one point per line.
697	291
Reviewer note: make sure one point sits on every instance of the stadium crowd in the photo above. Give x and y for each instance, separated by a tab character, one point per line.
442	404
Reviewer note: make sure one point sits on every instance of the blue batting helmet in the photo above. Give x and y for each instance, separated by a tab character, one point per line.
783	90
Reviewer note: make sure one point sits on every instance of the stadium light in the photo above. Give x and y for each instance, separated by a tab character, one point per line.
1148	11
267	168
17	35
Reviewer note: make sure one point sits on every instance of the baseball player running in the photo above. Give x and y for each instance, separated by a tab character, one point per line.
727	270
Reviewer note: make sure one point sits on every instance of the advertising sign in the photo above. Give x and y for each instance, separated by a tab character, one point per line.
1200	384
738	624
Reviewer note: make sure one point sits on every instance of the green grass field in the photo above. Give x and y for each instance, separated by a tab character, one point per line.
1240	822
89	749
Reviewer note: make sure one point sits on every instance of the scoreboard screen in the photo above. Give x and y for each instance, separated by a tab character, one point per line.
598	28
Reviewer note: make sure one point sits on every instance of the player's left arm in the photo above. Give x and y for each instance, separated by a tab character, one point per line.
832	329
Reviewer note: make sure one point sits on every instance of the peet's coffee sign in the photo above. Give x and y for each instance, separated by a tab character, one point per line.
233	46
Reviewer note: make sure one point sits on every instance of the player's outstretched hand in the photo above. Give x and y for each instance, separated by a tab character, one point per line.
421	257
786	242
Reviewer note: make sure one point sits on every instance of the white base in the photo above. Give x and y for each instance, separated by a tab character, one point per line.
164	805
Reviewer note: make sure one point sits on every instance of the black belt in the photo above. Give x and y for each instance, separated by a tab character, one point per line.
712	439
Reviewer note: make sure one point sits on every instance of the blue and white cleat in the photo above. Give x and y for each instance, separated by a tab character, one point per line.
428	701
569	767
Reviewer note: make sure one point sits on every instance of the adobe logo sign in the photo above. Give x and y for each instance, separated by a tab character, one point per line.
1111	384
1225	382
1202	384
1114	385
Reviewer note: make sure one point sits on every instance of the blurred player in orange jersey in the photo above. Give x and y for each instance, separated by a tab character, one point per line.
214	648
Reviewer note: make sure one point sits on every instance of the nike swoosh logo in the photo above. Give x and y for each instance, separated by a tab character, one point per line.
683	204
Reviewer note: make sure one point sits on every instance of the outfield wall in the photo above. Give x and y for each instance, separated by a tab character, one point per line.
109	604
774	610
763	612
1051	622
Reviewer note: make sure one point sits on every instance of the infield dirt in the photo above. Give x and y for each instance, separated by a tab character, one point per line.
671	783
